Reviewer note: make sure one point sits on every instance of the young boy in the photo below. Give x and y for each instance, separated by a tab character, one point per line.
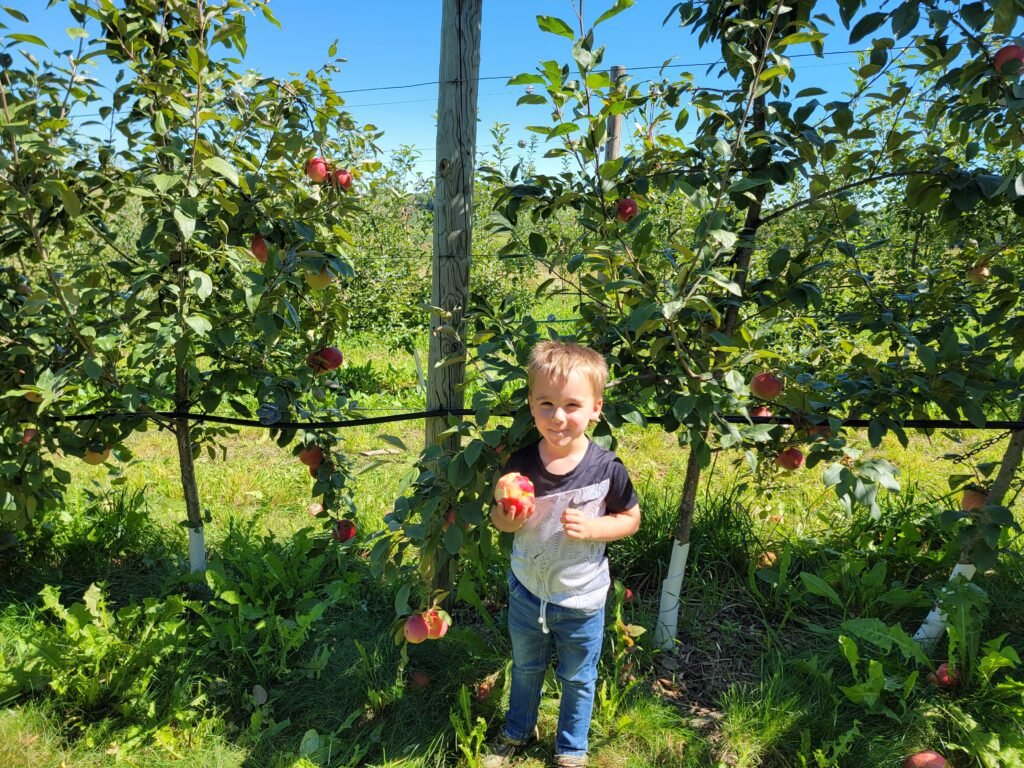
559	577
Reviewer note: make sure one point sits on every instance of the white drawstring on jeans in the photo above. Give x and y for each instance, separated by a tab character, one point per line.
543	618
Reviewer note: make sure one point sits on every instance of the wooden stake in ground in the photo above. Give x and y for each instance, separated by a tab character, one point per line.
453	212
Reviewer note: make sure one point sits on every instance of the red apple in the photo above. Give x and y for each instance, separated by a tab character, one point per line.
342	179
96	456
765	385
449	519
514	492
626	209
761	411
316	169
791	458
974	498
315	509
437	623
343	530
978	274
926	759
416	628
28	435
327	359
944	676
313	472
1006	54
258	247
319	280
628	595
819	430
311	456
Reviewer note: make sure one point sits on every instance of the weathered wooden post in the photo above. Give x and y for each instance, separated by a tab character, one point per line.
453	216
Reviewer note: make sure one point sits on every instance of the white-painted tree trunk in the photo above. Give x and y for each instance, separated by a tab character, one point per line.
934	625
671	597
197	549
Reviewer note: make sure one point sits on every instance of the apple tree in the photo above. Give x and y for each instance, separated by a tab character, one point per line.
177	256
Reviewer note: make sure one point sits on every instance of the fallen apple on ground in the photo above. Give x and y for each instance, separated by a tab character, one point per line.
514	492
944	676
926	759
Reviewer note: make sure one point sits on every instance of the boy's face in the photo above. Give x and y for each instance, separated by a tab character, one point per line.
563	408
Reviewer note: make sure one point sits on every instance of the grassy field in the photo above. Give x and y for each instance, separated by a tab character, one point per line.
754	681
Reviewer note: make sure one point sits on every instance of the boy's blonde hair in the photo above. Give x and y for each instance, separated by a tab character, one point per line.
555	360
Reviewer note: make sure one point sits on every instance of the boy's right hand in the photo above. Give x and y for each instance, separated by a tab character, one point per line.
503	521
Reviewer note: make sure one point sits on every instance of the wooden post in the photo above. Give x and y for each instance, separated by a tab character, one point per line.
613	145
453	229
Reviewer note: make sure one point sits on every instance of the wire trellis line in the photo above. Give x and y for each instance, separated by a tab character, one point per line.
440	413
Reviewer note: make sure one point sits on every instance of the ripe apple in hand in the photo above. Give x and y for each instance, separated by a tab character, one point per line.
765	385
791	458
316	169
626	209
514	492
259	249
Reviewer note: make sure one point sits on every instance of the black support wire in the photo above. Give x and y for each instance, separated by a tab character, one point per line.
412	415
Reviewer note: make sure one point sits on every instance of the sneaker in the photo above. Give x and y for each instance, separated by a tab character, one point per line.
503	749
571	761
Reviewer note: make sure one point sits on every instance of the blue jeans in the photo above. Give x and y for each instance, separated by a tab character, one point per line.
576	635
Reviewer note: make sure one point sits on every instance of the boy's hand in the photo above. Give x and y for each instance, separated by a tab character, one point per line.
576	525
503	521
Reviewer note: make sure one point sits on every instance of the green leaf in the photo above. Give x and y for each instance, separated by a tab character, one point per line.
453	539
395	441
818	586
199	324
186	223
221	166
615	10
555	26
867	25
201	283
23	38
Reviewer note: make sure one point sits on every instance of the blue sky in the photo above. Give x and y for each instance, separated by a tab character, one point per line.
396	42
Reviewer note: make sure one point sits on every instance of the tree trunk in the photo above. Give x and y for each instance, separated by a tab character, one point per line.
182	432
672	586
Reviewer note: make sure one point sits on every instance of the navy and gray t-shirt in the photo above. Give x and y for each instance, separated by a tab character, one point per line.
552	566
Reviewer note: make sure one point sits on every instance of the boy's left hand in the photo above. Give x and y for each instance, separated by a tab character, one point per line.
576	525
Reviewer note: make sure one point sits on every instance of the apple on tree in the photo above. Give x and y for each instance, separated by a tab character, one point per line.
316	169
790	459
1012	55
312	456
416	629
765	385
974	498
342	179
343	530
514	492
259	248
438	622
319	280
626	209
979	274
28	435
96	454
327	359
761	412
